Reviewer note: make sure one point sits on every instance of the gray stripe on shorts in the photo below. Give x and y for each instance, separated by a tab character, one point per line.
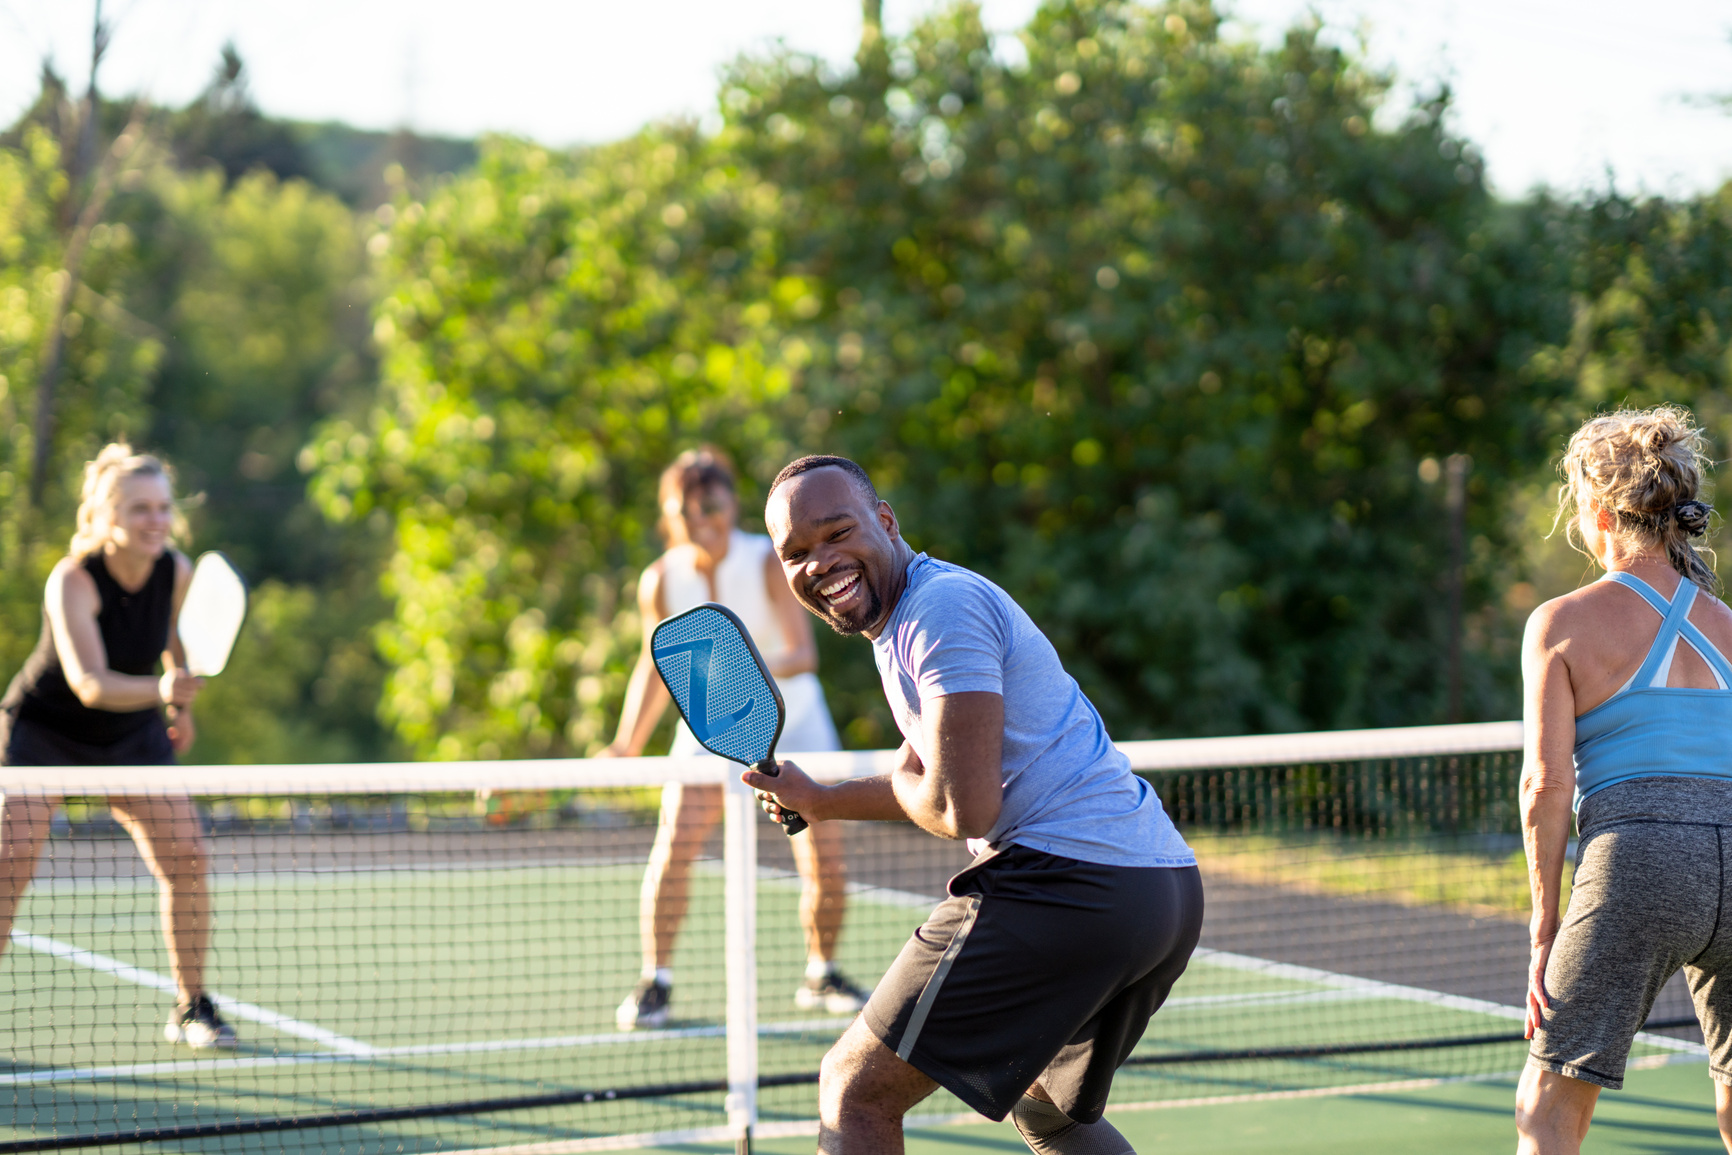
929	995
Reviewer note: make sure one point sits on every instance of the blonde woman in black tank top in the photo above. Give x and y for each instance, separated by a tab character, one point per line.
90	695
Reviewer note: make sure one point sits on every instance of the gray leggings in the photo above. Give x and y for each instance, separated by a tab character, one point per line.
1651	895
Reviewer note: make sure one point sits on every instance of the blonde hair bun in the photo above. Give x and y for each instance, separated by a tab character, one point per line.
1645	467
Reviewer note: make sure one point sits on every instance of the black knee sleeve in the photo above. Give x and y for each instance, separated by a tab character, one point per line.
1049	1131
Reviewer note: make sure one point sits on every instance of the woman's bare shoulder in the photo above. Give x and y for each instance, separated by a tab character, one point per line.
68	582
649	589
70	570
1566	614
1710	611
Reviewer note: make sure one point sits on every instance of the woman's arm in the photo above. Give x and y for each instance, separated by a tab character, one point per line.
1547	788
72	603
799	647
645	696
181	730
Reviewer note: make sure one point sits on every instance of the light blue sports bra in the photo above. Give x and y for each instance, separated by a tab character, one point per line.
1650	730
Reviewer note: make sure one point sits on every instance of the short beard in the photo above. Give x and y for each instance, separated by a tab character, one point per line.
847	627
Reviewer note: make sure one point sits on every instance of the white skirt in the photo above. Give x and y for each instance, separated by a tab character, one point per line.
807	728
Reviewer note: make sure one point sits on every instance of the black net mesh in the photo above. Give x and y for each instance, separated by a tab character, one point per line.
444	970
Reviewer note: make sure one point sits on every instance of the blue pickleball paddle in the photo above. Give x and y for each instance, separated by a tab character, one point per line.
723	689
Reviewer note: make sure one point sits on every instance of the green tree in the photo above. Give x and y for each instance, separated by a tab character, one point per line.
223	126
553	328
1651	305
1650	298
259	288
214	323
1166	333
105	360
1158	330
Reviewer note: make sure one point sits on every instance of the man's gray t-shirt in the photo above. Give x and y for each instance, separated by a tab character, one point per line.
1067	789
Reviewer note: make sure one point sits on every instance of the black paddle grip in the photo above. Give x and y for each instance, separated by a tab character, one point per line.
792	823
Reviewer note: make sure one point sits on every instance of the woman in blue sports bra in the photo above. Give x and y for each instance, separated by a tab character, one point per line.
1628	711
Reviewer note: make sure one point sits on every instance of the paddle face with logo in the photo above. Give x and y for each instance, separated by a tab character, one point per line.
723	689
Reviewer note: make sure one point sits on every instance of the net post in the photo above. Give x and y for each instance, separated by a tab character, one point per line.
740	872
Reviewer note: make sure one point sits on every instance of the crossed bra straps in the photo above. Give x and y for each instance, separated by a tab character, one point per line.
1649	729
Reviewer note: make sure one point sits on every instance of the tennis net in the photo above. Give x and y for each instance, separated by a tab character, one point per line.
425	957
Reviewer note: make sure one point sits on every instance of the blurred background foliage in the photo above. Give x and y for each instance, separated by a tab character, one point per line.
553	330
1156	331
1174	337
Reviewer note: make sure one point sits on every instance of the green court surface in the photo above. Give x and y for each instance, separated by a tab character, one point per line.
1663	1111
444	980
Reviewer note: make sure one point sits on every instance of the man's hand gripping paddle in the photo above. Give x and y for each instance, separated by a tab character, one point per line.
723	689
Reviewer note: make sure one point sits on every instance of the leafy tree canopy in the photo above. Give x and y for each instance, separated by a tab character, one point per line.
214	322
553	330
1157	330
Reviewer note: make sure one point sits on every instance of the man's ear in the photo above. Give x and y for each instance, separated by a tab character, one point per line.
887	519
773	513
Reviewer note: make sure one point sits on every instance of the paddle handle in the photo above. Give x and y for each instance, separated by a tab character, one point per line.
792	823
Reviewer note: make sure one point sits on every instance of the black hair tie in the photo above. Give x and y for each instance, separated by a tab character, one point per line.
1692	517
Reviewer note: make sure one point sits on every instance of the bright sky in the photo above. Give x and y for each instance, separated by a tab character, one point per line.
1553	91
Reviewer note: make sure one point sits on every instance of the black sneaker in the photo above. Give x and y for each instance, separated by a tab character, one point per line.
198	1025
833	994
646	1008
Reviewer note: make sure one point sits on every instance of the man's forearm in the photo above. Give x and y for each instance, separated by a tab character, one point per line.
864	800
929	807
914	797
901	796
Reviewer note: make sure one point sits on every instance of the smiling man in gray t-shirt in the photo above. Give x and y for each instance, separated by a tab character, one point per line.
1027	987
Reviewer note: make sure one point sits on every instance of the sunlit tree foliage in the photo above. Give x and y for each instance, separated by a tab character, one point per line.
554	329
1158	330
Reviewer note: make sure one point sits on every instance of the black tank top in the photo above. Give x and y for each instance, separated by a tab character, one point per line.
134	628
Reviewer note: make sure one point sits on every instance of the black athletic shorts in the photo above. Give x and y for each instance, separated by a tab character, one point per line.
27	743
1037	968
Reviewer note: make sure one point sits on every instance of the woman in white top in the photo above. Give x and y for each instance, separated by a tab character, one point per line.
710	560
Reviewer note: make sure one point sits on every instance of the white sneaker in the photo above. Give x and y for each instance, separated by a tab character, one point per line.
833	994
198	1025
646	1008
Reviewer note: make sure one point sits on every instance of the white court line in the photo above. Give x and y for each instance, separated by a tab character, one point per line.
1353	989
885	895
239	880
248	1011
1339	987
177	1067
1381	989
833	1025
242	879
613	1038
802	1127
1262	999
